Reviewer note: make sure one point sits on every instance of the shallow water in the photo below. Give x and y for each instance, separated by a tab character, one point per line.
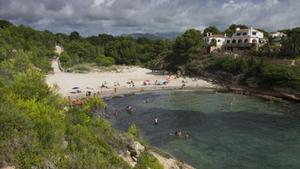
227	130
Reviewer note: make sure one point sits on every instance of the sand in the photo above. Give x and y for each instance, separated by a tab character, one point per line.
92	81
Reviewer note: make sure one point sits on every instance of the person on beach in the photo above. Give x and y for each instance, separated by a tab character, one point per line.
156	121
104	86
115	87
88	93
132	83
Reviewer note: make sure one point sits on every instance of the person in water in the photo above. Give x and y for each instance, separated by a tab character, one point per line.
146	100
178	133
129	109
156	121
187	135
115	114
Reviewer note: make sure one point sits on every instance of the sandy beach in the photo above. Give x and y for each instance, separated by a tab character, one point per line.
117	80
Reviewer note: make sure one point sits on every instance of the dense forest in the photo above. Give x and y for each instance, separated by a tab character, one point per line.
38	128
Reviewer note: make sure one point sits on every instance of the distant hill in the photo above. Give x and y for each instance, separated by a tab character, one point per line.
167	35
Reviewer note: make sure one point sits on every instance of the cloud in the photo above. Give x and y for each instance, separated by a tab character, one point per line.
125	16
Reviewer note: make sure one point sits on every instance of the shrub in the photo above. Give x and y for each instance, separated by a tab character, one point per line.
81	68
146	160
227	64
279	75
104	61
133	131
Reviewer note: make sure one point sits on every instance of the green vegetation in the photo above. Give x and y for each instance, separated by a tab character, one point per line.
37	45
211	29
232	28
39	129
146	160
133	131
107	50
291	43
186	49
267	75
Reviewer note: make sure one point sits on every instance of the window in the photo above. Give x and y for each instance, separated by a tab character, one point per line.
233	41
228	41
219	40
244	33
253	33
238	34
246	41
240	41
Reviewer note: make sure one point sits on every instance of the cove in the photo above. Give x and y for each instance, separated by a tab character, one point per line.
227	131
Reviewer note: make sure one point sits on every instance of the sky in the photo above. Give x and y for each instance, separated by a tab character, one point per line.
91	17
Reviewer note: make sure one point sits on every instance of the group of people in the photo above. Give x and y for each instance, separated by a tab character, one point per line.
131	84
180	134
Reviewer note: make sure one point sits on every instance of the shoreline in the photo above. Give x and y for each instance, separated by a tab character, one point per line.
241	90
123	92
92	82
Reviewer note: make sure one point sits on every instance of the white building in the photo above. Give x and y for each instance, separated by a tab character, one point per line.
217	42
277	36
242	39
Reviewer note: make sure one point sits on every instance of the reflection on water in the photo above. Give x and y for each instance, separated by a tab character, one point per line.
227	130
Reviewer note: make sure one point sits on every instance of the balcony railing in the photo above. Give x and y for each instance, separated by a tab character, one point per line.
240	44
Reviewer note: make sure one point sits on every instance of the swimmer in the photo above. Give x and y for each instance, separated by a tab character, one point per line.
129	109
115	114
156	121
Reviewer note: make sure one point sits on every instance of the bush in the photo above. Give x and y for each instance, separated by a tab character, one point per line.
81	68
146	160
133	131
279	76
104	61
227	64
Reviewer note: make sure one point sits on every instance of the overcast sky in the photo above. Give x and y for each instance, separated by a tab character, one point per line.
91	17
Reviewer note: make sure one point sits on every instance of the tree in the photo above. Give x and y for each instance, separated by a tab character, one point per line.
291	43
105	38
74	35
4	24
211	29
30	85
187	47
232	28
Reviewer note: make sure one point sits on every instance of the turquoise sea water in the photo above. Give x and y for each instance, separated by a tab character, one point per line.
227	131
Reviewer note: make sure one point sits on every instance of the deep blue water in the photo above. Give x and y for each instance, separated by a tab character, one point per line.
227	131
